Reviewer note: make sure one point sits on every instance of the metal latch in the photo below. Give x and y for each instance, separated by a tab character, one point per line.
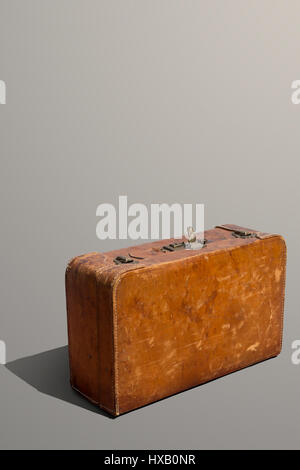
127	259
192	244
173	246
243	234
123	260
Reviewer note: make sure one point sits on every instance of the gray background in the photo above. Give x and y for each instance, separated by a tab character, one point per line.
163	101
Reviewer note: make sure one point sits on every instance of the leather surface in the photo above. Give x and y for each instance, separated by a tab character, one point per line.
140	332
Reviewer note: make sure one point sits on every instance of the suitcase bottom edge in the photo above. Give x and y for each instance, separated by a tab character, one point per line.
206	381
113	414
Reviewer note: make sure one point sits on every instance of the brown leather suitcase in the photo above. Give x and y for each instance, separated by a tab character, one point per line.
156	319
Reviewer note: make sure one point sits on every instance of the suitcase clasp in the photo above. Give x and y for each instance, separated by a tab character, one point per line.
243	234
123	260
173	246
192	244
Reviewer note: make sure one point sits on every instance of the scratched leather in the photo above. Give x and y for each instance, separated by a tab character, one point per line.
141	332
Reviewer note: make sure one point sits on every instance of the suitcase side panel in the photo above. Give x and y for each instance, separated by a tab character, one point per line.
179	324
90	331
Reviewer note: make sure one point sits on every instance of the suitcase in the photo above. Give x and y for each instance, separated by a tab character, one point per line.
153	320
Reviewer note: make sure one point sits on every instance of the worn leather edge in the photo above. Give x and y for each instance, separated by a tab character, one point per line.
214	253
106	278
115	284
115	334
283	287
205	381
70	340
72	264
